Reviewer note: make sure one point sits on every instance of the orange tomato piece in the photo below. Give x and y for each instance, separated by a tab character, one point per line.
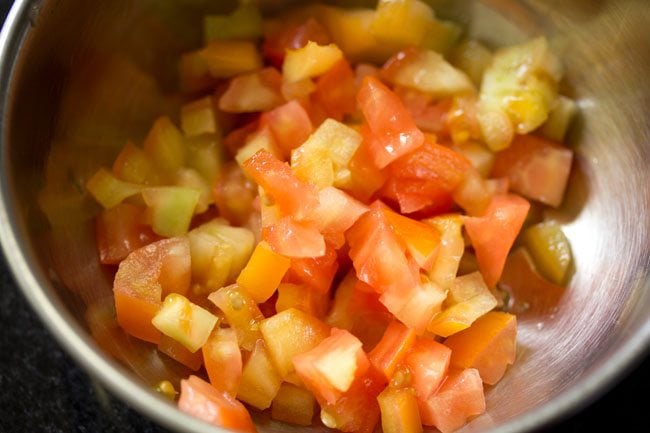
489	345
392	348
294	405
422	240
242	313
177	351
200	399
260	382
494	233
399	411
296	239
317	273
263	272
336	90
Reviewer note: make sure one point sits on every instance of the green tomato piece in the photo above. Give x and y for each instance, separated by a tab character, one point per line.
170	208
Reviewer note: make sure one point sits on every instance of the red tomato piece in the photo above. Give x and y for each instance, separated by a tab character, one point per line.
366	178
294	239
290	125
119	231
377	255
336	212
428	115
144	278
336	90
536	167
459	398
394	132
422	240
494	233
428	362
433	162
415	195
200	399
392	348
292	37
316	273
293	196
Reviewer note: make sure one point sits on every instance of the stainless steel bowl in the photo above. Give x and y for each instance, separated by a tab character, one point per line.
82	77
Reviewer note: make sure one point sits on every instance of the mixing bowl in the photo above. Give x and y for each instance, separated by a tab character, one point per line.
80	78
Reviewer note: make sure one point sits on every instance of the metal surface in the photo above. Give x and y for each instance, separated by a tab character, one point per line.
79	78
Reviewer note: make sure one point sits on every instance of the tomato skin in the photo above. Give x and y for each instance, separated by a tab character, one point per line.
292	196
394	132
200	399
119	231
494	233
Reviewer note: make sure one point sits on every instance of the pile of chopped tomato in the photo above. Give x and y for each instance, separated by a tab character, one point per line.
327	230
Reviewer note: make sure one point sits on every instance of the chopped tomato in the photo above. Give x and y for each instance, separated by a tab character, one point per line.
365	177
263	272
177	351
489	345
293	37
335	214
253	92
234	194
459	398
317	273
421	240
493	234
260	381
336	90
295	239
293	404
290	125
392	348
537	168
393	132
399	411
200	399
378	256
242	313
143	278
428	362
294	197
329	369
119	231
223	361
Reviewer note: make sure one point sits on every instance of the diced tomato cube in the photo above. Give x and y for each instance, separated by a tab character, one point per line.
459	398
253	92
177	351
290	125
317	273
393	132
260	382
263	272
294	405
200	399
399	411
242	313
294	197
336	91
295	239
428	362
493	234
223	361
329	369
392	348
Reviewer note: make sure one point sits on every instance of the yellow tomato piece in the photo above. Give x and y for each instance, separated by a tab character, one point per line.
310	61
399	411
108	190
184	321
549	249
451	249
289	333
294	405
199	117
469	298
263	273
226	59
260	382
402	22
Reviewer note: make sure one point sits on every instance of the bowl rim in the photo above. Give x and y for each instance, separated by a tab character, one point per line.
116	378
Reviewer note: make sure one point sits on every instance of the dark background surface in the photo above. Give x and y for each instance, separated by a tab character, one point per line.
42	389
